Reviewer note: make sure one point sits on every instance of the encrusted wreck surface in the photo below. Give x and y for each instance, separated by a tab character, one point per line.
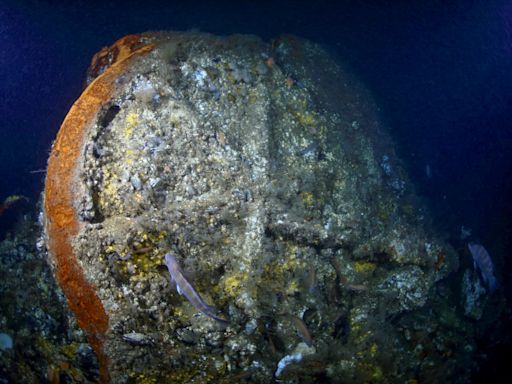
263	169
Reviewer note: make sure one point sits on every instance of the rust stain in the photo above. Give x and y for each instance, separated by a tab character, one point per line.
117	52
61	219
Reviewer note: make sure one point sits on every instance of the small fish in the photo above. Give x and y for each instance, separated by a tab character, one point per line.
241	376
38	171
465	232
135	338
310	152
141	251
356	287
311	279
186	289
483	261
302	329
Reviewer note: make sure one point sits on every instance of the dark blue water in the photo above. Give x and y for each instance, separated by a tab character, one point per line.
442	75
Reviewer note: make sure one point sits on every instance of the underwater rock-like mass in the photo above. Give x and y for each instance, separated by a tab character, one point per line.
263	169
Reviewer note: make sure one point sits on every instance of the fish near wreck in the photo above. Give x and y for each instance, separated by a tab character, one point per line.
302	329
483	261
186	289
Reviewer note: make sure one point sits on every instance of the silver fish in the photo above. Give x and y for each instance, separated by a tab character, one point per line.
135	338
186	289
483	261
311	279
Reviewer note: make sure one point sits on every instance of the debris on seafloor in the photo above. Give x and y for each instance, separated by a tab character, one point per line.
208	146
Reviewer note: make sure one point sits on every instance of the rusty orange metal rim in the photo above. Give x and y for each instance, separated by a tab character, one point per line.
61	220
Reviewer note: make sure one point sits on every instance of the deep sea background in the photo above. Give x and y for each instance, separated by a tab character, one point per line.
441	72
